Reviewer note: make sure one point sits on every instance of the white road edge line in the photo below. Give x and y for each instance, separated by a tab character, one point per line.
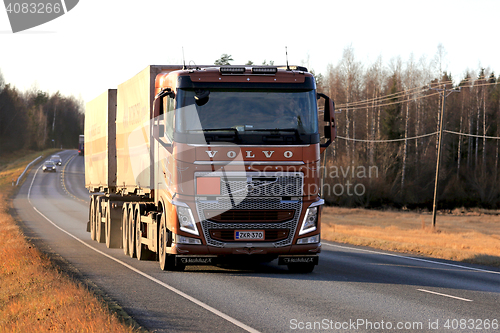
413	258
163	284
445	295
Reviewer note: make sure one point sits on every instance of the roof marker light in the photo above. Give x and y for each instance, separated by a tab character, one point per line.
232	70
264	70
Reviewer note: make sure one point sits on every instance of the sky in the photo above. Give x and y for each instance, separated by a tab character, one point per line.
100	44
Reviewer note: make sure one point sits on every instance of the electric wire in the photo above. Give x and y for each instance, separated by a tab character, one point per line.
391	140
374	102
473	135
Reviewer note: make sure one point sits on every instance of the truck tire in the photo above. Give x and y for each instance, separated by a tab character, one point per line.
167	261
131	231
100	235
92	216
141	250
113	220
301	268
125	229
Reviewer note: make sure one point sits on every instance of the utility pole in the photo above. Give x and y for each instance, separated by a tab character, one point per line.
444	93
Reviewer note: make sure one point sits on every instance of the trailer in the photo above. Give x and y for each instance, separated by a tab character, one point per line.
208	165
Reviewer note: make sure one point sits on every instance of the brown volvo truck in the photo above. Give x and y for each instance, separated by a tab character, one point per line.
209	165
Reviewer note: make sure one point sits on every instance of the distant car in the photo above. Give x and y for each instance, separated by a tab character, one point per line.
49	166
56	159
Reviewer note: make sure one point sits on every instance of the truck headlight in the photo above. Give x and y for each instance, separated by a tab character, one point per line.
310	221
186	220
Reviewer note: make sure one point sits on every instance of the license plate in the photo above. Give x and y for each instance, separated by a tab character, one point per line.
249	235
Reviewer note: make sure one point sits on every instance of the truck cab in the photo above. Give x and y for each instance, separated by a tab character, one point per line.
238	149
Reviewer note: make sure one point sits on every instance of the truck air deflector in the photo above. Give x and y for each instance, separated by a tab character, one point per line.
185	82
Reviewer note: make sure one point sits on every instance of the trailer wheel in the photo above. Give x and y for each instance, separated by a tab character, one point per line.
125	229
100	236
131	231
301	268
113	234
92	217
167	261
141	250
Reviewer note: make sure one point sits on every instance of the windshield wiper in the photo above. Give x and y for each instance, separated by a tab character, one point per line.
275	136
294	130
224	129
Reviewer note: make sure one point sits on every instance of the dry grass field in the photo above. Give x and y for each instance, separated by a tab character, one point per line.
34	295
467	236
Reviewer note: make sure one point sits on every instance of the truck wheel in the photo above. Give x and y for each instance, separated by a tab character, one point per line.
92	218
301	268
100	236
167	261
131	232
141	250
113	221
125	229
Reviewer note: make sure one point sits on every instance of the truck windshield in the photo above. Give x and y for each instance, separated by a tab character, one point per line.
246	112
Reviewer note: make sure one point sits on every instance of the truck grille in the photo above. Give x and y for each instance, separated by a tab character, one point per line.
279	185
218	233
242	215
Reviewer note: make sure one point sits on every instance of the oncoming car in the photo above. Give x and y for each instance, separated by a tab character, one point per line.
56	159
49	166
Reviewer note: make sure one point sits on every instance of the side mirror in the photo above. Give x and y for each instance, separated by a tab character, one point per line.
159	129
329	118
157	107
158	102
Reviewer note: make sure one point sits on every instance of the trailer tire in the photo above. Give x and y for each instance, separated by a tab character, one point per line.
141	250
125	229
131	231
92	217
113	234
100	235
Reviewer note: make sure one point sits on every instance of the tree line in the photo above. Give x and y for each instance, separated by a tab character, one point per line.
388	117
37	120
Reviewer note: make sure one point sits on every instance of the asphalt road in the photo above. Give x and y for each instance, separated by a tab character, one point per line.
352	290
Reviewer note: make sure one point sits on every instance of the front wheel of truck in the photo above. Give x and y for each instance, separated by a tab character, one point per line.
301	268
167	261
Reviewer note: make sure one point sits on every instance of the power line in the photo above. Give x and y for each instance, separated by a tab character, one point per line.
358	105
473	135
392	140
388	104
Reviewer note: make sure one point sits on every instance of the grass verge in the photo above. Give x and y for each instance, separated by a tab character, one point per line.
35	295
467	236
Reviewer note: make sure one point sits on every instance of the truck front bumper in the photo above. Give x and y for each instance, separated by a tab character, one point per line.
208	255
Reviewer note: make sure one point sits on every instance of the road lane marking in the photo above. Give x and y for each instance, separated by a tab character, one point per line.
63	179
445	295
413	258
161	283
